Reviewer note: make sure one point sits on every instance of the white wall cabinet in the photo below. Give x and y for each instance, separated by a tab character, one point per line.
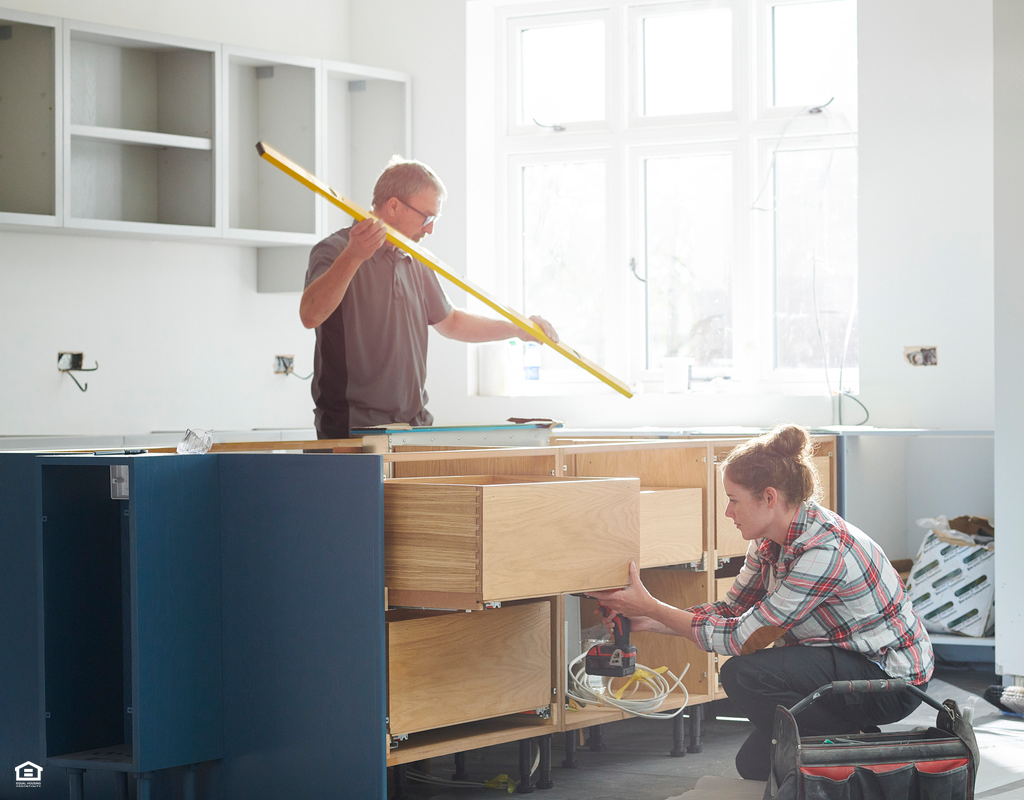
272	99
366	119
141	134
30	119
117	131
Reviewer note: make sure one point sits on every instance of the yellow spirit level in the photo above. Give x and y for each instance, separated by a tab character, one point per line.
427	258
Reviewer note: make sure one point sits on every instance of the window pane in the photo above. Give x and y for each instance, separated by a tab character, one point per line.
564	246
815	258
688	63
563	73
689	259
815	55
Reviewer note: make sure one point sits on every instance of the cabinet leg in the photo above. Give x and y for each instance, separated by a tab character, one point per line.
121	785
460	773
144	786
696	715
190	783
544	779
594	741
76	784
570	761
525	767
678	739
400	781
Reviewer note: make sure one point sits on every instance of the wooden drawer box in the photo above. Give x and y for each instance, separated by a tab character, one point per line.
461	542
671	526
449	668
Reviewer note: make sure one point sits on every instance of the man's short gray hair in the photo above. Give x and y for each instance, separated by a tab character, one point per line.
403	178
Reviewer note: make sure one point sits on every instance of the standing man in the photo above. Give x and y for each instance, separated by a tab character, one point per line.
371	304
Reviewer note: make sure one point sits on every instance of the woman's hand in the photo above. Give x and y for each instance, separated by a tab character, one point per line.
645	612
634	601
636	624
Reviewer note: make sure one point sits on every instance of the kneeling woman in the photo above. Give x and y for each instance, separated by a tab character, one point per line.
823	585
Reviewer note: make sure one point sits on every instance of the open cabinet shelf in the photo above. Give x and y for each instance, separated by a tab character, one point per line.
141	132
30	119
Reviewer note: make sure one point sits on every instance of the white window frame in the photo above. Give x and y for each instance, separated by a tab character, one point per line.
751	131
513	103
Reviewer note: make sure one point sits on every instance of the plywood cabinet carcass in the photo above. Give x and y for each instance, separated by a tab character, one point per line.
451	668
461	542
671	526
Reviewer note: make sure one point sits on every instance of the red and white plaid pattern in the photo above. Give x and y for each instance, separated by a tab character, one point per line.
828	585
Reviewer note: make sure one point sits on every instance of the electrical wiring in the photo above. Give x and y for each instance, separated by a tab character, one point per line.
582	691
499	781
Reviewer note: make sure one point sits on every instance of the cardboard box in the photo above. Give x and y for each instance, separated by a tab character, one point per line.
952	585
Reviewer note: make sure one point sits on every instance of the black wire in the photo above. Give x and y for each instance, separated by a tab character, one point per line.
867	414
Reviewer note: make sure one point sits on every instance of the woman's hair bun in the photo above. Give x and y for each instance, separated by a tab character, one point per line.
789	441
782	458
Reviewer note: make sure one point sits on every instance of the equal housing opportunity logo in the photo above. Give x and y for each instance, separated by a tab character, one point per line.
28	776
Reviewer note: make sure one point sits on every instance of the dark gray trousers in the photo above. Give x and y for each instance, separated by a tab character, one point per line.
783	676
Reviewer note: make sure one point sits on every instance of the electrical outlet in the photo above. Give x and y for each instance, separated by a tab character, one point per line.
67	361
284	365
921	356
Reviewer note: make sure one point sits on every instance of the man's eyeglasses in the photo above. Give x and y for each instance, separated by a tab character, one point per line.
427	218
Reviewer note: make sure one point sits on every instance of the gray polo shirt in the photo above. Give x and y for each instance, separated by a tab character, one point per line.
370	363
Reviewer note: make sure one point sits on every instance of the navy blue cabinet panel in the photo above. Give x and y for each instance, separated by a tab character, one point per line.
303	595
20	714
131	650
229	613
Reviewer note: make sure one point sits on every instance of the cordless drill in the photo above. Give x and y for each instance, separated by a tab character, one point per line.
615	660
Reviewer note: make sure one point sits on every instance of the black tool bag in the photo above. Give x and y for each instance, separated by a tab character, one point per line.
938	763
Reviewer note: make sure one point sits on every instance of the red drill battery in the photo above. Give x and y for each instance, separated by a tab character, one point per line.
613	659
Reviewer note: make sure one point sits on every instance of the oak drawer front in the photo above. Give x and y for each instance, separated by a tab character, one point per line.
460	542
722	587
452	668
671	526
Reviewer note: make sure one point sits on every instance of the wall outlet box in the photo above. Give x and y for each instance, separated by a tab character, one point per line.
67	361
921	355
283	365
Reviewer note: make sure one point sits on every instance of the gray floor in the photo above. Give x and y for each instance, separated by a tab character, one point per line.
635	763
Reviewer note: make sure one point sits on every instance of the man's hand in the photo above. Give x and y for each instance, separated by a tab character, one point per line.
324	295
544	325
365	239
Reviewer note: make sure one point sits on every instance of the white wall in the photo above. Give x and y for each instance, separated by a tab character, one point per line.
181	335
925	218
926	260
316	28
1009	282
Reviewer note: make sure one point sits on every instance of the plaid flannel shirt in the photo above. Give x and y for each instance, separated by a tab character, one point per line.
829	585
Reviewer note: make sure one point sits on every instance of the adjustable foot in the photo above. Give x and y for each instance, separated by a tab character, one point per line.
696	716
460	773
570	761
525	767
678	739
76	787
544	778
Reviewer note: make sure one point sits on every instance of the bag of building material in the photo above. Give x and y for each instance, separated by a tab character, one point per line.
952	582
